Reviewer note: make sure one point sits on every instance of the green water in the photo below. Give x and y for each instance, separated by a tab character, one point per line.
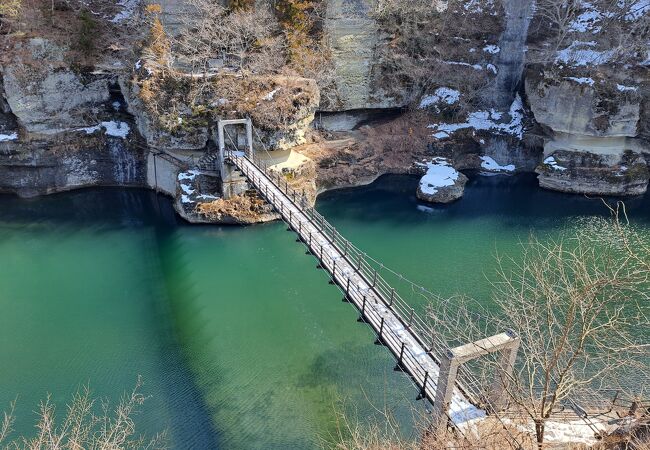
240	341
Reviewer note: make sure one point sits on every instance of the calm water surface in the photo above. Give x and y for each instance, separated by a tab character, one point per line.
240	341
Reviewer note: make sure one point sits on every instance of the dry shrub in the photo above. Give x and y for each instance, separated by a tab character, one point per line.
157	48
88	423
10	8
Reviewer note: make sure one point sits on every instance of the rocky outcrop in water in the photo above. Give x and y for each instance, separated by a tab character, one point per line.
594	130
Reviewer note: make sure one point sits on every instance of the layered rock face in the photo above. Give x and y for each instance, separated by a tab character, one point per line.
354	35
58	127
45	94
594	131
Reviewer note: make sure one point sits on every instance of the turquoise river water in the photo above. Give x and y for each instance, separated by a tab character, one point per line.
240	341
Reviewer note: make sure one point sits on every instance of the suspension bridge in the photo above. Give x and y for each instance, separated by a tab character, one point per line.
436	370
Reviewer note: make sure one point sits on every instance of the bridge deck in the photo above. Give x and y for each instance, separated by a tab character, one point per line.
376	306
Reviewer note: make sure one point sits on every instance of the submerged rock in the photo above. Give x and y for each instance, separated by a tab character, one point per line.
441	183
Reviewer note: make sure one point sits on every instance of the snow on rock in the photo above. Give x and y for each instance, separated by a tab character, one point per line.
492	68
439	174
488	121
636	10
186	199
490	164
441	183
8	137
461	63
581	53
623	88
187	189
138	64
551	162
129	8
268	97
581	80
493	49
116	129
112	128
189	175
441	95
478	6
588	20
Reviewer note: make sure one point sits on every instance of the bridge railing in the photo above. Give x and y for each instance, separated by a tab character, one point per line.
434	343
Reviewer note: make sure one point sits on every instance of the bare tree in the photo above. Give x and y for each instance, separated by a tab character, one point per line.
82	428
577	304
241	39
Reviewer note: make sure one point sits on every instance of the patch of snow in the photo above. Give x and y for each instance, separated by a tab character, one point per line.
116	129
587	21
128	9
439	174
189	175
207	197
636	10
487	120
492	68
268	97
116	106
187	190
493	49
478	6
138	64
112	128
441	95
186	199
581	80
8	137
551	162
219	102
623	88
460	63
581	53
90	130
490	164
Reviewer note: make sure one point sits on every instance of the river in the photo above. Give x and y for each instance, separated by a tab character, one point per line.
241	343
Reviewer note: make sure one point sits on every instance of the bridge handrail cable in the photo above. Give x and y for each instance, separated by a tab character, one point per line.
467	382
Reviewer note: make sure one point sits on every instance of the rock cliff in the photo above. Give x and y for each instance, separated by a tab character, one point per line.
96	92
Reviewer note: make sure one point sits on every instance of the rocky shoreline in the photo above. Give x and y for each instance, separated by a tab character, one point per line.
580	119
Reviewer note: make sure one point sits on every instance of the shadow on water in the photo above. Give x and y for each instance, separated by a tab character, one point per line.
515	197
98	212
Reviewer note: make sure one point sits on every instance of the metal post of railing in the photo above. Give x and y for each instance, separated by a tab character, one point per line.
401	357
381	330
392	296
374	279
363	307
411	317
345	250
423	393
333	272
